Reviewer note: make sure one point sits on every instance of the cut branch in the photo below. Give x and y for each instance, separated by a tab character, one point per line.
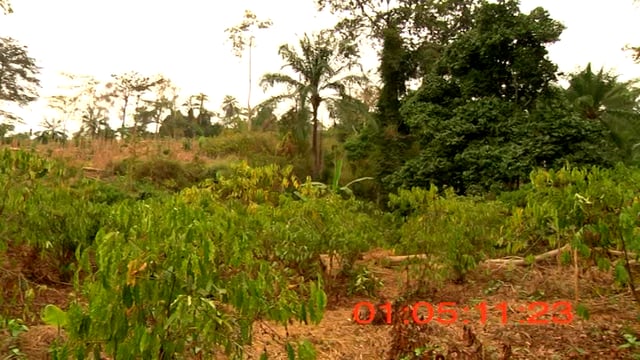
523	261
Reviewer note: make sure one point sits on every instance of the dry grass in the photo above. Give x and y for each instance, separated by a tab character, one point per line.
101	153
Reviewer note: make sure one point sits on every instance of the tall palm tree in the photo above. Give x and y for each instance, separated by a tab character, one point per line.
601	97
321	65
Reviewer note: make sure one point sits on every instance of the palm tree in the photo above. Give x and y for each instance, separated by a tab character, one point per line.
94	122
320	66
52	131
196	102
601	97
231	111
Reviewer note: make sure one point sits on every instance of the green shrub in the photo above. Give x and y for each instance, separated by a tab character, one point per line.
456	231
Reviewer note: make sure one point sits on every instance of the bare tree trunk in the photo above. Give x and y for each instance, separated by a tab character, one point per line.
249	93
315	148
124	111
319	153
316	100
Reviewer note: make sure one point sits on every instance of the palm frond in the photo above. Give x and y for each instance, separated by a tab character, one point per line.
272	79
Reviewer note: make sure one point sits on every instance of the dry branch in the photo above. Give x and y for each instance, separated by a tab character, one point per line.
396	259
512	260
523	261
509	260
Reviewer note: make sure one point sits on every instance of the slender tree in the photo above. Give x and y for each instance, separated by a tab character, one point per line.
242	37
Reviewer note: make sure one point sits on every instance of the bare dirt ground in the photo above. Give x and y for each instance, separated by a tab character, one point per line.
612	310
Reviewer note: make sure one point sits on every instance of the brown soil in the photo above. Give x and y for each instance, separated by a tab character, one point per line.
612	314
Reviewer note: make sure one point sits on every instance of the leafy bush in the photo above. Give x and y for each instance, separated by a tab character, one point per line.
166	173
456	231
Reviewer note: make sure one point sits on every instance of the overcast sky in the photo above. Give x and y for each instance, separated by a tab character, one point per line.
185	40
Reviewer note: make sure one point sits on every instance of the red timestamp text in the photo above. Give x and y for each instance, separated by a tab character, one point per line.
422	313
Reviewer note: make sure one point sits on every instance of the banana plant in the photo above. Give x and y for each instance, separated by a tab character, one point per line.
335	187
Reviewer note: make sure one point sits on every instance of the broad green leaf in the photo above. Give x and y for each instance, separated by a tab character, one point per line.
53	315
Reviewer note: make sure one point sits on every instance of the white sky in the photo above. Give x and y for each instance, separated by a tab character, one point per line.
185	40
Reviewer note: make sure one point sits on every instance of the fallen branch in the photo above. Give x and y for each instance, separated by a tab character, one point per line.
331	263
396	259
523	261
617	252
511	260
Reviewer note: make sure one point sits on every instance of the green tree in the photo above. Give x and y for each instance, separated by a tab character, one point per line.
265	119
52	131
504	54
130	86
322	65
166	97
425	27
18	71
392	138
242	37
489	112
5	129
601	97
412	36
350	115
196	103
231	112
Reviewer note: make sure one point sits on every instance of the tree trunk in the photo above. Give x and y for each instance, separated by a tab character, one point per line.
249	93
315	142
124	111
314	149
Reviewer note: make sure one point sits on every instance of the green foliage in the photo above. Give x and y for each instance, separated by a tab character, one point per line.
602	98
456	231
5	129
214	258
14	327
587	208
321	64
306	351
53	315
364	282
394	70
188	273
486	115
504	53
19	82
178	272
472	125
